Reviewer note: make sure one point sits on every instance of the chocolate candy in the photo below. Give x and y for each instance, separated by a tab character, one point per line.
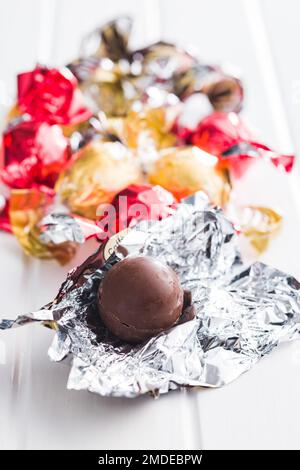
140	297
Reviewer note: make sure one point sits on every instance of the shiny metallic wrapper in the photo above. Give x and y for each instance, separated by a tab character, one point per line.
57	228
243	312
117	79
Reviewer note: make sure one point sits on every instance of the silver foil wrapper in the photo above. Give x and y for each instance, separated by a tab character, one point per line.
243	312
59	228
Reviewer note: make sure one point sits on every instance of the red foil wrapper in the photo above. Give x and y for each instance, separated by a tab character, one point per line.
90	228
227	136
34	154
4	215
134	204
52	96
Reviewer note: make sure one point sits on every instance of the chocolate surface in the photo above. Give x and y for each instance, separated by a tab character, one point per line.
139	297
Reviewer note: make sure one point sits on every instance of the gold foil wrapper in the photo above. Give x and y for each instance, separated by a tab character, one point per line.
113	76
27	208
95	175
151	126
69	129
260	225
111	91
185	170
111	40
152	123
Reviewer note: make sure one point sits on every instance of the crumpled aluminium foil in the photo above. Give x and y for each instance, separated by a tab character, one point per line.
58	228
242	312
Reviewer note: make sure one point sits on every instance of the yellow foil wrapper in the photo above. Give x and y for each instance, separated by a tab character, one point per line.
95	175
260	225
27	207
185	170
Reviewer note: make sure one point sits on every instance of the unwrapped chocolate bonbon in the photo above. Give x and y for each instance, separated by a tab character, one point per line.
139	298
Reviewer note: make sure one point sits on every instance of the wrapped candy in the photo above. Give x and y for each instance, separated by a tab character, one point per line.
165	62
44	234
115	78
108	74
145	131
224	91
227	136
136	203
34	154
107	90
57	228
27	207
81	134
95	175
185	170
52	96
154	123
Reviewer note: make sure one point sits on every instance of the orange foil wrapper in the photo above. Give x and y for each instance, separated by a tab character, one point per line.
45	234
26	209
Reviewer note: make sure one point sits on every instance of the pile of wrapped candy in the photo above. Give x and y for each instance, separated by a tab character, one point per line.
94	147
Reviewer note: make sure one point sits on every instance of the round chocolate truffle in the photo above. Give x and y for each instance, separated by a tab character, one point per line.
139	297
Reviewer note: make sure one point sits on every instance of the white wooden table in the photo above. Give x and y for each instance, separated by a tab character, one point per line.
262	408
